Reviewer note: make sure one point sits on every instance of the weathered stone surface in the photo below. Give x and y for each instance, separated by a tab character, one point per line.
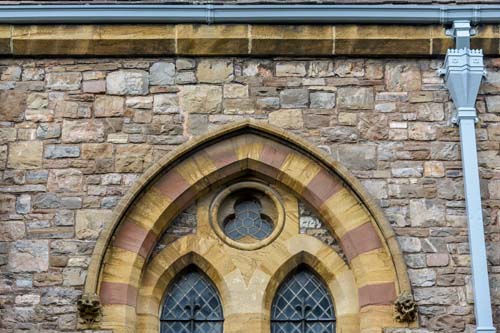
422	131
201	99
341	133
13	105
46	201
64	81
291	119
37	100
11	230
233	90
426	213
429	111
422	277
133	158
48	131
437	295
291	69
76	131
94	86
33	74
65	180
268	103
23	204
407	169
25	155
437	259
294	98
127	82
29	256
162	73
410	244
402	76
358	157
377	188
215	71
322	100
355	98
139	102
109	106
90	222
493	104
61	151
166	103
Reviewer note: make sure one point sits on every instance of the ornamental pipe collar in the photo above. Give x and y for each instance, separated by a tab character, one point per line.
463	71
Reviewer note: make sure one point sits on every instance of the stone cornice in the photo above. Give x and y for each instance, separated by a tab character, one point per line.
235	40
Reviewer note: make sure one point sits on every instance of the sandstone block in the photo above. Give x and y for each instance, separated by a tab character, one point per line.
48	131
434	169
162	73
29	256
201	99
402	76
422	131
422	277
25	155
90	222
23	204
139	102
407	169
185	78
133	158
65	180
377	188
359	157
33	74
11	73
109	106
46	201
291	69
61	151
94	86
426	213
127	82
428	111
291	119
341	134
294	98
322	100
234	90
267	103
166	103
215	71
76	131
7	134
64	81
410	244
355	98
13	105
493	104
437	259
184	63
11	230
37	100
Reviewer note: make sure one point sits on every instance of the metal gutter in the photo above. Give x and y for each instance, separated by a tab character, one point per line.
266	14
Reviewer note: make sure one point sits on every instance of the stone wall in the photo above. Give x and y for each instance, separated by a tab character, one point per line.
76	134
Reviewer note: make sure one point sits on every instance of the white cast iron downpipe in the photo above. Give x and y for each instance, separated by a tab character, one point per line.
464	70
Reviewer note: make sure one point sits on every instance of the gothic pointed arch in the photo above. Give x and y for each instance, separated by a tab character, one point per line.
121	260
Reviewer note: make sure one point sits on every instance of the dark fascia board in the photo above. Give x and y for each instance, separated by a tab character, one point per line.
265	14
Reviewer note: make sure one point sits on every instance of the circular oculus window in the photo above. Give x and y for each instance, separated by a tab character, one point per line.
247	215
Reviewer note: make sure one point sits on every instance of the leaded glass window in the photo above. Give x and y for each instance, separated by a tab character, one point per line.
248	221
192	305
302	305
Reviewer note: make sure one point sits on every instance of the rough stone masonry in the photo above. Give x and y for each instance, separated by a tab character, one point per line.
76	133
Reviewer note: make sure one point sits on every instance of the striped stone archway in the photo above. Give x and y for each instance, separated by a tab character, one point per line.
249	147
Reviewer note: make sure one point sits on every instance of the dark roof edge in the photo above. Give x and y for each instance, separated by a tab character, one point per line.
265	14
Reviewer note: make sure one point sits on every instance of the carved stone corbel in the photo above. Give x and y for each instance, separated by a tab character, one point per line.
89	310
405	308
